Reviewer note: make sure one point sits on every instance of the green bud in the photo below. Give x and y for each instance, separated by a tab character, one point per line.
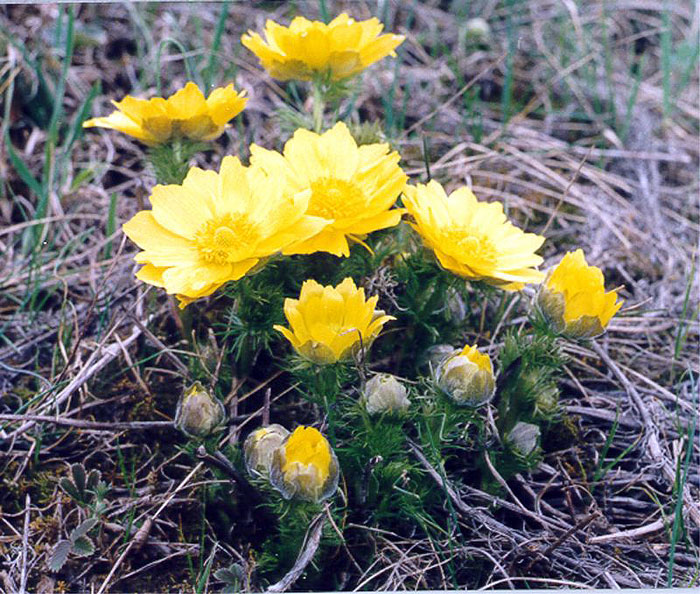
260	446
384	393
198	412
546	400
523	438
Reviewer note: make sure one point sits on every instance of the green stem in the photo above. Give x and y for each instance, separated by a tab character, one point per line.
319	105
326	388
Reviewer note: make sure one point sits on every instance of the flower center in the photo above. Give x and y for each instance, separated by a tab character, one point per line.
223	240
333	198
477	251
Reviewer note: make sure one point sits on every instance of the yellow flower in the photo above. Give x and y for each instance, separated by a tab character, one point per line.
574	300
305	466
353	187
185	114
215	227
474	239
341	49
329	324
467	377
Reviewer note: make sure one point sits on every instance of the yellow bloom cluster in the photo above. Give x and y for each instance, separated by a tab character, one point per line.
329	324
185	114
322	193
340	49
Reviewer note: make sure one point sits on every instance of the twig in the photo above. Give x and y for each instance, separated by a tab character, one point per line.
652	440
25	545
218	460
633	533
313	539
456	96
166	351
81	424
133	542
266	407
582	524
538	580
466	510
92	367
566	192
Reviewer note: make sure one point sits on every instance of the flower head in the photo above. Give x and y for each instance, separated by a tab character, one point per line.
198	412
305	466
340	49
215	227
185	114
260	446
329	324
574	300
523	438
353	187
467	377
473	239
385	394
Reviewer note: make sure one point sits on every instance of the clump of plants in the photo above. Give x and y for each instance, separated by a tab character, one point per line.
375	295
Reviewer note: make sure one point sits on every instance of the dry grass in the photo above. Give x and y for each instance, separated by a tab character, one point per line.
603	157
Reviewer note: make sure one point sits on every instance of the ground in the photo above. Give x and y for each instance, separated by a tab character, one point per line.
582	117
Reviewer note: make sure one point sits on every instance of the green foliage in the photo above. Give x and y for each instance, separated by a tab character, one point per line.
86	489
171	160
256	305
78	543
233	577
279	551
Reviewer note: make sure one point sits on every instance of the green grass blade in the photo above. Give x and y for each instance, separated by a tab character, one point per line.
188	64
212	62
681	479
666	60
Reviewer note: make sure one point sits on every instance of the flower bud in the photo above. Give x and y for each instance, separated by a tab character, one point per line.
547	400
477	29
260	446
573	298
436	354
456	305
467	377
198	412
523	438
385	394
305	466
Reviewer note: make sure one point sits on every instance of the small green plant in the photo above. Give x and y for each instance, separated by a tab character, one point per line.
78	544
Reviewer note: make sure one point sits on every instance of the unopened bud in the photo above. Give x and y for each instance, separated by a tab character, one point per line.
198	412
436	354
385	394
467	377
478	30
456	305
523	438
260	446
546	400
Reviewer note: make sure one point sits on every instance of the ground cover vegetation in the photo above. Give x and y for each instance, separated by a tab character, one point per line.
349	296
